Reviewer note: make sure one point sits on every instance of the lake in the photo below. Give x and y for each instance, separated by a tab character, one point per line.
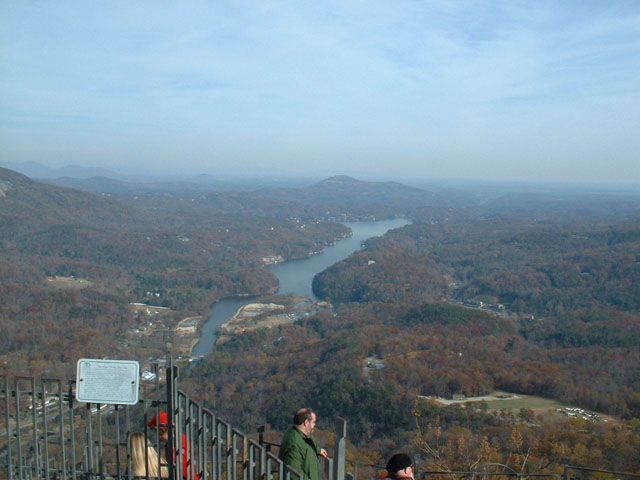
295	276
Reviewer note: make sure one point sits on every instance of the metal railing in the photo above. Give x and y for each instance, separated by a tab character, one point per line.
46	434
573	472
493	471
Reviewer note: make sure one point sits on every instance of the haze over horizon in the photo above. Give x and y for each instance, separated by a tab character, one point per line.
509	91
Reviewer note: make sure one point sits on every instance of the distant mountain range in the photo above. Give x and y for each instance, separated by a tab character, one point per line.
103	201
100	180
343	190
29	205
37	170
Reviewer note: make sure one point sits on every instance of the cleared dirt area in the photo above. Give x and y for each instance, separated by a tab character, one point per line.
68	282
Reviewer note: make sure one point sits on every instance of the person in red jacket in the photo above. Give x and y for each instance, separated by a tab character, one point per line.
161	423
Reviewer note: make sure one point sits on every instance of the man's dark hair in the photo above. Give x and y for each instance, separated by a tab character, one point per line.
302	415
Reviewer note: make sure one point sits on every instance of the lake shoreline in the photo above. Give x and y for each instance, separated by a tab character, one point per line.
295	277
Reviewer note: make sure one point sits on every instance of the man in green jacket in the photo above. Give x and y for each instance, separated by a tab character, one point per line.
298	449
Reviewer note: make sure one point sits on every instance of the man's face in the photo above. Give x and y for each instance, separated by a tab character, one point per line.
406	473
164	434
310	425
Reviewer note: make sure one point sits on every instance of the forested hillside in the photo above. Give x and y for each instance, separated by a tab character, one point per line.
428	350
561	274
564	325
71	262
544	268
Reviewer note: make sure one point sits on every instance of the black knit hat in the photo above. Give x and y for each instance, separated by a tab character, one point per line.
398	462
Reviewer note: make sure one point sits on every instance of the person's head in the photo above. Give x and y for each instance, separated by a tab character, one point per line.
400	466
305	420
141	450
161	423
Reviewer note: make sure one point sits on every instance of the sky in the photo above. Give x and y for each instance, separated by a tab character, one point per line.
501	90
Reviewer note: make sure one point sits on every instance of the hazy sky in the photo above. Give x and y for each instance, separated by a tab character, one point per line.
526	90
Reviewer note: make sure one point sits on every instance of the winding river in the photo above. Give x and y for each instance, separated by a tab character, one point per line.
295	276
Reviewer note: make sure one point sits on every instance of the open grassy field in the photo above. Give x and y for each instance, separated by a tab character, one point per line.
515	403
498	401
68	282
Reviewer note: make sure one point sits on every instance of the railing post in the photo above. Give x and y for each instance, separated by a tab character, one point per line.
234	456
89	447
340	451
100	445
171	387
230	454
18	433
8	418
178	421
45	432
61	426
218	448
246	464
328	468
72	433
261	430
263	463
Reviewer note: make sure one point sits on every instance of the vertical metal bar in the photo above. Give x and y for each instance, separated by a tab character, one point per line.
340	449
179	447
18	432
230	449
188	431
251	462
8	431
144	430
36	443
128	425
202	456
117	415
189	428
249	456
170	414
218	453
281	469
90	467
329	467
61	427
20	425
193	439
263	463
100	451
146	459
234	456
45	432
269	465
245	459
208	437
72	432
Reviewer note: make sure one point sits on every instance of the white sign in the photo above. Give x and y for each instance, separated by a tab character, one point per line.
107	381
